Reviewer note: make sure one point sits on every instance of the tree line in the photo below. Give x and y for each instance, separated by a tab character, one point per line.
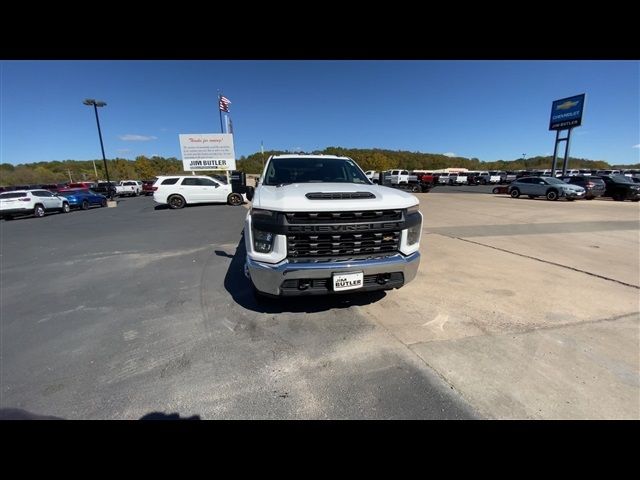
369	159
380	160
83	170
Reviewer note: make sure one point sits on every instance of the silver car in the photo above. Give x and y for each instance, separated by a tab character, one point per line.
549	187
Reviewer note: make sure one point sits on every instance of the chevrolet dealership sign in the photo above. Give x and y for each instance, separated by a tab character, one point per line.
567	113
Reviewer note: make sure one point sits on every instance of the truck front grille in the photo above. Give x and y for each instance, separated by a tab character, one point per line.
340	244
344	217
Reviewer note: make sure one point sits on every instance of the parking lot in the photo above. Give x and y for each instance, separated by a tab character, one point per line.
521	309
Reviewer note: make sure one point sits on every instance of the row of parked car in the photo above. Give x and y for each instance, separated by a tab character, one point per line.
113	189
488	177
38	200
618	187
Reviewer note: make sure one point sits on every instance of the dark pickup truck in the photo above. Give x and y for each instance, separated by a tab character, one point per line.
105	188
621	188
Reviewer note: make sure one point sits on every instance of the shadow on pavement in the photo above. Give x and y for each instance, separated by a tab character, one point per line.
168	416
241	290
19	414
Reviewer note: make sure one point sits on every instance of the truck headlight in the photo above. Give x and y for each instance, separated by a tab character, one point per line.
410	237
262	241
413	234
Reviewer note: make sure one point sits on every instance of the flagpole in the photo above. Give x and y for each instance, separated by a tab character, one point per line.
220	110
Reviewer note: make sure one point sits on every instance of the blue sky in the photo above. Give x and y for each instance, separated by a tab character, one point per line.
486	109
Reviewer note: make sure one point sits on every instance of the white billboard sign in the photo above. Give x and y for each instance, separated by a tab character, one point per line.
207	151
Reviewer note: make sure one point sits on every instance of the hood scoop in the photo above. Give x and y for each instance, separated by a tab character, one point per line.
338	195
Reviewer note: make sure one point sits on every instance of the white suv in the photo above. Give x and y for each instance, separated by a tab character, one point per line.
178	191
31	202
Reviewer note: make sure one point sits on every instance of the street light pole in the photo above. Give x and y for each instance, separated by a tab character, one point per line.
96	104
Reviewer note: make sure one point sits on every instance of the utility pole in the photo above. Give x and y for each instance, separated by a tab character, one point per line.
69	172
96	104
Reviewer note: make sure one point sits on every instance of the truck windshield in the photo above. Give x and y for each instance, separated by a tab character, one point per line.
282	171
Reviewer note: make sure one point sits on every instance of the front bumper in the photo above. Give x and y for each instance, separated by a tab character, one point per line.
269	278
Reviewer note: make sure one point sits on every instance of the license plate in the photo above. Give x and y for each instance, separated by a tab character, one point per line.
347	281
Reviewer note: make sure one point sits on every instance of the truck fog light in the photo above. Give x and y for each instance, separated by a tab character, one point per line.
413	234
262	241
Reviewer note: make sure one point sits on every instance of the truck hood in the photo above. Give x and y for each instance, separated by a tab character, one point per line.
292	198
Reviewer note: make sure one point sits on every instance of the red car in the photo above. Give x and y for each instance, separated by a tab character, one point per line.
83	185
147	187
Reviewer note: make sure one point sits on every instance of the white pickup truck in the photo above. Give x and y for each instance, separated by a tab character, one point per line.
461	178
401	177
489	177
130	188
373	176
319	226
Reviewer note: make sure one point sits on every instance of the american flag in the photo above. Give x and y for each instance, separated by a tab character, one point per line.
224	103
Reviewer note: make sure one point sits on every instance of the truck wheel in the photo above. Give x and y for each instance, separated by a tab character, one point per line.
38	211
176	201
515	193
415	188
552	195
234	199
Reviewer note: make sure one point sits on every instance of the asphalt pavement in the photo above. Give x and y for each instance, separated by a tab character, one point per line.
136	311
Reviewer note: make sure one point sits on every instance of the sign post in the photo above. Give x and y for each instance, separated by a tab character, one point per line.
566	114
207	151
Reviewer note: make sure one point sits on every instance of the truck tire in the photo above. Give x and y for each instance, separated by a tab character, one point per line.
234	199
415	188
176	202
